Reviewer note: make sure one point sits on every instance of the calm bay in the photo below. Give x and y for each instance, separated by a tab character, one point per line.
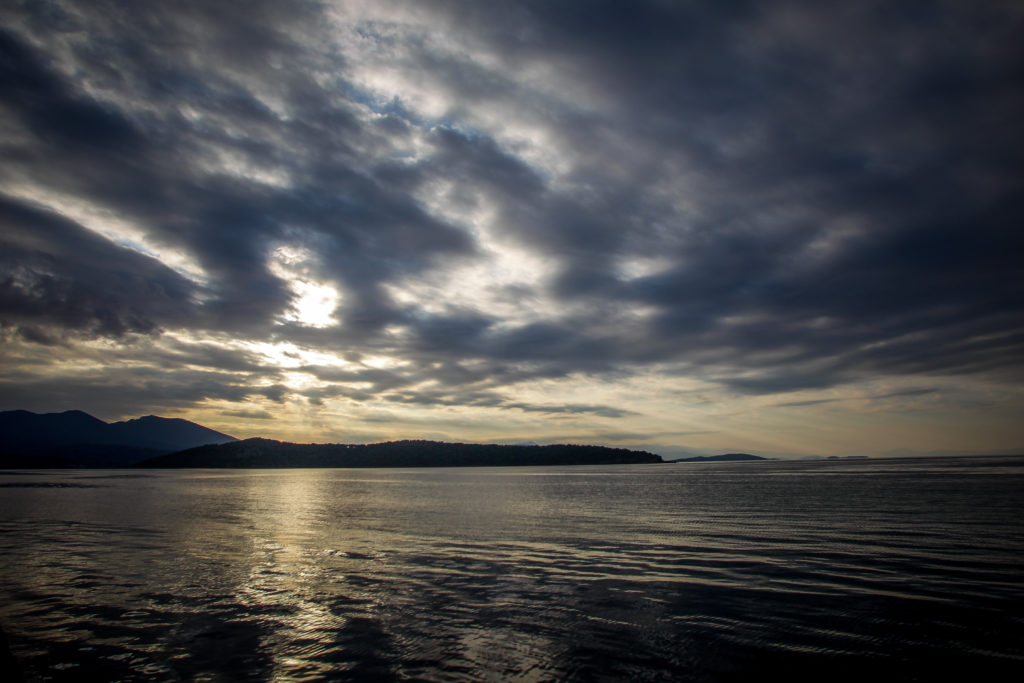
910	569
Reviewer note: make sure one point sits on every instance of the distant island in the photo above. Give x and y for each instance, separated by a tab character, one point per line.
266	453
75	439
725	457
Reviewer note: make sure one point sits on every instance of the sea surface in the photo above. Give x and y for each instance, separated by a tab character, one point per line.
812	570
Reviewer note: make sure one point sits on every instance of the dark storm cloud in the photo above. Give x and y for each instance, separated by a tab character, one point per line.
774	197
60	275
39	98
900	122
182	83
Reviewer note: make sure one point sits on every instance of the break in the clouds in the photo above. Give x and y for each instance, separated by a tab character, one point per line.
358	220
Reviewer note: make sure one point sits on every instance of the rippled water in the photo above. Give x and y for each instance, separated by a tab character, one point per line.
815	570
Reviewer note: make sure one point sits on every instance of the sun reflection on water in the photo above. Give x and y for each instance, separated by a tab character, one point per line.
463	574
287	574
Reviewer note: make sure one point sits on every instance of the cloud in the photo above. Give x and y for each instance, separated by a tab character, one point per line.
572	408
478	200
809	402
59	276
906	392
111	391
249	414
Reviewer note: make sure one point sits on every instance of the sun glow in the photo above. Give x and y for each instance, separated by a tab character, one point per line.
314	304
289	355
314	301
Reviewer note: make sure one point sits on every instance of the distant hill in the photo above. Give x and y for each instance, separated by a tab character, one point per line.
726	457
77	439
265	453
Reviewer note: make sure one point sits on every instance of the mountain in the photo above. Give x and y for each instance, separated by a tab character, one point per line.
725	457
164	433
76	439
21	430
265	453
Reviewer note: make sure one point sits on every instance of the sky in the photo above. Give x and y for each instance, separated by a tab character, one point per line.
789	227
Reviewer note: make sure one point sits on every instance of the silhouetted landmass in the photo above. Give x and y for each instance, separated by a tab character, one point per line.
265	453
78	455
76	439
725	457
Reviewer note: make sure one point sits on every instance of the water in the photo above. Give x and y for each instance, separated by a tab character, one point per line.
912	570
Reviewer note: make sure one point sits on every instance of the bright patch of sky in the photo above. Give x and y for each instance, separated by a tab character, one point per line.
114	227
315	302
739	227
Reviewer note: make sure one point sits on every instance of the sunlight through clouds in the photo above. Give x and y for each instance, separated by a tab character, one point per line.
314	302
119	229
712	222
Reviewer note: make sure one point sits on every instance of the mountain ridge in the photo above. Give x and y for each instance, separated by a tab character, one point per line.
74	438
268	453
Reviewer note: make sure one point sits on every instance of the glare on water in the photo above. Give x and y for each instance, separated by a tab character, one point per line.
656	572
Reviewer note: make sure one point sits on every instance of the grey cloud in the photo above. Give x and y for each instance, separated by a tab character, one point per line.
572	409
831	138
906	392
248	414
274	392
60	275
779	382
113	392
379	379
830	194
902	393
809	402
489	399
206	355
364	231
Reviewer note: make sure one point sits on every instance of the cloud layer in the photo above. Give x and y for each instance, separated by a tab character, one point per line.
584	212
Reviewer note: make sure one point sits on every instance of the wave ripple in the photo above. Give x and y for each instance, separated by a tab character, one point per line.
911	570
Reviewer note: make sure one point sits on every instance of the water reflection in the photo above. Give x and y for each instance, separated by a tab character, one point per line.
282	567
538	574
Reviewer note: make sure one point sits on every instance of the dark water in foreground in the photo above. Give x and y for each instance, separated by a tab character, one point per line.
911	570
